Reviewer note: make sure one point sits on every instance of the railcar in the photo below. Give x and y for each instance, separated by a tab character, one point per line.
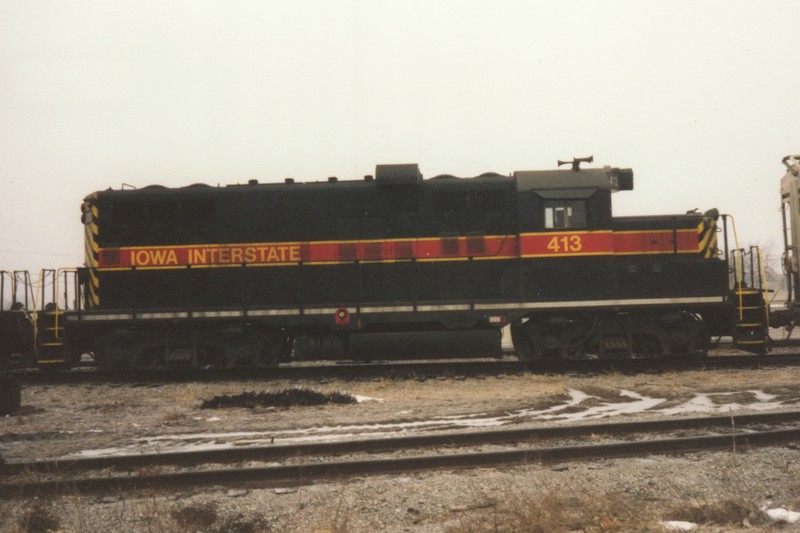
16	336
786	313
231	275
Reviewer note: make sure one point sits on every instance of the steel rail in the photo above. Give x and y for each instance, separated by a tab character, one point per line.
448	439
300	474
405	370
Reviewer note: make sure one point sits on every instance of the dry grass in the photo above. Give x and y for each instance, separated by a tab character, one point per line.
556	513
450	390
205	518
37	517
195	517
186	396
669	384
533	390
149	513
335	519
727	512
175	417
557	510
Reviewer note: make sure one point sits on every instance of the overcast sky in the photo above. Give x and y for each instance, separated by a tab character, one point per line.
700	98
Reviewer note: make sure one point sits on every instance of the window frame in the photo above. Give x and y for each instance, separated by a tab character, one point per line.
564	214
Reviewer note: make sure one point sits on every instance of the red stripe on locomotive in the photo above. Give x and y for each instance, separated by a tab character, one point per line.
554	244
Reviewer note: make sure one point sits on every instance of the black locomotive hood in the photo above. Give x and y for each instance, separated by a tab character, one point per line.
608	178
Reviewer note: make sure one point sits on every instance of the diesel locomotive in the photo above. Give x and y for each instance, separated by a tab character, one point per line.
238	275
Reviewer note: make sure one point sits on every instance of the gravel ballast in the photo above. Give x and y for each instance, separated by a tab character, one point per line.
721	491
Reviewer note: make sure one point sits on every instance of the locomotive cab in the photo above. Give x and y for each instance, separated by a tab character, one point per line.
562	200
614	286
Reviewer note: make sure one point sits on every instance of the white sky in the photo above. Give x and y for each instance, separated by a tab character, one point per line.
700	98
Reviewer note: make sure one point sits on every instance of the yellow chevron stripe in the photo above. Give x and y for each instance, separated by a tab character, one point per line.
92	253
707	237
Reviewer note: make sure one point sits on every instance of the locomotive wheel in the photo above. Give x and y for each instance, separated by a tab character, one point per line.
149	357
574	348
688	335
276	347
563	340
522	340
212	355
647	345
112	356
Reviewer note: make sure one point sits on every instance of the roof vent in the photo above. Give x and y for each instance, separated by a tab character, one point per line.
333	179
368	177
252	182
289	180
407	174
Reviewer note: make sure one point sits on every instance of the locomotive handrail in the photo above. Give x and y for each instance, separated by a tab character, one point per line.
59	273
3	275
763	274
738	272
15	282
35	308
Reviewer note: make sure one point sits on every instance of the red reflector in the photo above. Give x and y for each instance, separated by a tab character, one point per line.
342	316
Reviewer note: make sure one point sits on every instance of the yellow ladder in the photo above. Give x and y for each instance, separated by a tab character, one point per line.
60	289
51	347
751	327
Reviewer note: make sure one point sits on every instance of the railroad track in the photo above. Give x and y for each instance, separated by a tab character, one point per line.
405	370
309	463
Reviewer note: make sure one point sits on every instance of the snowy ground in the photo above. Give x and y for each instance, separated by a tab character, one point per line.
577	407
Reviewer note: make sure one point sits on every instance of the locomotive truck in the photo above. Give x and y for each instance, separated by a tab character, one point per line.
237	275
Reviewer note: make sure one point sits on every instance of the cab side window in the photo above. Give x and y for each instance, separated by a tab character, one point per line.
564	214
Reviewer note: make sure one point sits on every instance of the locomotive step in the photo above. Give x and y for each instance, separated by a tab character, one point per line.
756	336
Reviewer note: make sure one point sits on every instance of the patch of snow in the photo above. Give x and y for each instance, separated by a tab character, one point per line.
783	515
567	411
604	410
704	403
762	396
361	399
678	525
